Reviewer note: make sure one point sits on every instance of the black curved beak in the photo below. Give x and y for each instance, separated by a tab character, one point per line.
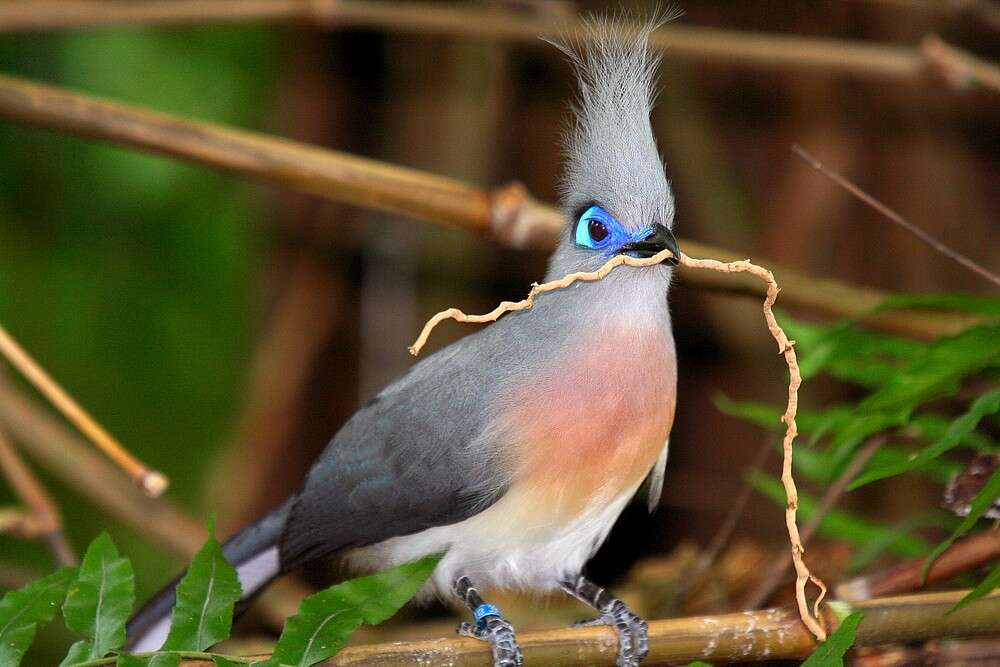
661	239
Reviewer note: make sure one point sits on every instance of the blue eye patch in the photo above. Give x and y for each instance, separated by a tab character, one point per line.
596	229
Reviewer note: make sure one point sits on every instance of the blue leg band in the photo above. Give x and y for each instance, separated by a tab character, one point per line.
484	610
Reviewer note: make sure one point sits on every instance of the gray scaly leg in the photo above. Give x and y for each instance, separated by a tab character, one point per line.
633	634
490	626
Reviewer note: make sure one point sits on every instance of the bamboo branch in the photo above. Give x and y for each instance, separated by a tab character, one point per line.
509	213
731	48
772	634
152	482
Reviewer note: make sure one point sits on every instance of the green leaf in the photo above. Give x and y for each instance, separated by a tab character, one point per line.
325	620
938	371
984	588
987	404
935	373
980	503
206	596
967	303
849	353
158	660
99	602
698	663
222	661
831	652
22	610
839	524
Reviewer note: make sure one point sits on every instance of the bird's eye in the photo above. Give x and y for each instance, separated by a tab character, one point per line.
596	229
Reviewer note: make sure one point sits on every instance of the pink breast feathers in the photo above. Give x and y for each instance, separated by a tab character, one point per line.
596	422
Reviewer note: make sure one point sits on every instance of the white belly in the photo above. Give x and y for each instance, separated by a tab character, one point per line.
510	545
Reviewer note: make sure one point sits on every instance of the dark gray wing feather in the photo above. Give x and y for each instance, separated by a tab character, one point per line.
403	462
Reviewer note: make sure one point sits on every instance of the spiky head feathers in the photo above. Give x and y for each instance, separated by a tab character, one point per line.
611	155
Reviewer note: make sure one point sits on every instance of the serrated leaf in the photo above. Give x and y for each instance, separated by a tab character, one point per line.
326	620
984	588
987	404
831	652
980	503
99	601
840	524
21	612
158	660
206	596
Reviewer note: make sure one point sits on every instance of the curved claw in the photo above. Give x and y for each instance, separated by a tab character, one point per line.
632	631
500	634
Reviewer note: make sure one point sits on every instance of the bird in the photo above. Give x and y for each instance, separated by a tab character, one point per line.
513	450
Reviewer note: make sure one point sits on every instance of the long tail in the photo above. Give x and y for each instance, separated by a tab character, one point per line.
253	552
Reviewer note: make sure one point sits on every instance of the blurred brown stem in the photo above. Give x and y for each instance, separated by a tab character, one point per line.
859	59
772	579
975	551
510	212
43	519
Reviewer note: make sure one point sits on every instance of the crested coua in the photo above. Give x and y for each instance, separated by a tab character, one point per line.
514	450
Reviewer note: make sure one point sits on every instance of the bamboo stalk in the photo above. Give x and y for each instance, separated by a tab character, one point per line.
154	483
69	459
509	213
771	634
866	60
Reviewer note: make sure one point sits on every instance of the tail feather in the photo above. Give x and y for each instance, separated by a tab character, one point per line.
253	552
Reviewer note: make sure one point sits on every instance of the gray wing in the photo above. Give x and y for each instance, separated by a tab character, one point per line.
403	463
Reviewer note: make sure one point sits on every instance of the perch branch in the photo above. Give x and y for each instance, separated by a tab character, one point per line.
44	520
786	348
771	634
887	212
509	213
151	481
731	48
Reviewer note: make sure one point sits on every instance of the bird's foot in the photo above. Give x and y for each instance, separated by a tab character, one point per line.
500	634
490	626
632	631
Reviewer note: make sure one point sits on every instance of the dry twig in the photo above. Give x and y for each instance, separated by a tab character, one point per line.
895	217
509	213
786	348
966	555
152	482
